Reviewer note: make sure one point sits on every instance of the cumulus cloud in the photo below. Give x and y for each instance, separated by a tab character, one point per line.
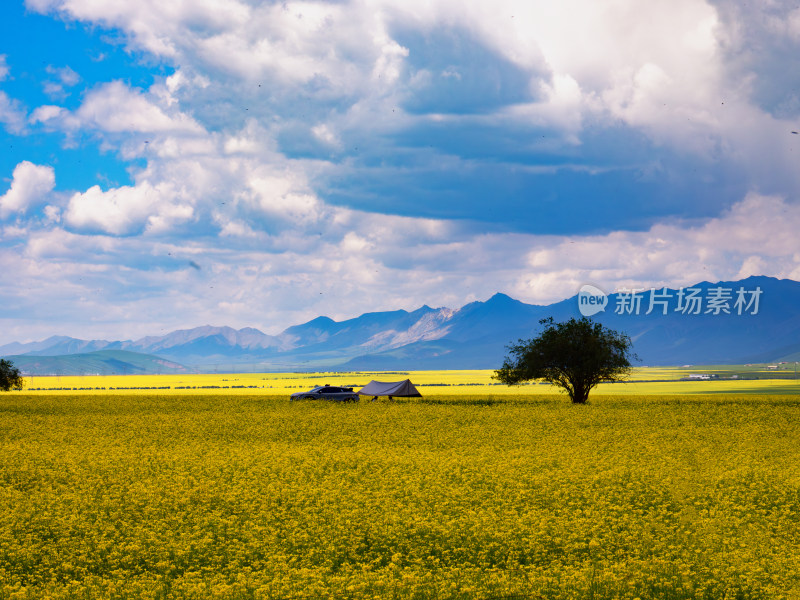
114	107
371	262
278	196
755	236
310	154
326	77
30	185
126	210
655	67
46	114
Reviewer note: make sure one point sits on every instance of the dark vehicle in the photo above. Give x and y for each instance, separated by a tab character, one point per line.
327	392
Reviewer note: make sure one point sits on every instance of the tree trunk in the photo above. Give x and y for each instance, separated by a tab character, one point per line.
579	395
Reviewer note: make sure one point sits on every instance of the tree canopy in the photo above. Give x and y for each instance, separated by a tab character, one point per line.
575	355
10	377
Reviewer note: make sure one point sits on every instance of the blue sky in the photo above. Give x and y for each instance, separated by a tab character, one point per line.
172	164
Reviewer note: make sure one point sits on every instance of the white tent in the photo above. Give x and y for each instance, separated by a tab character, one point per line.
400	389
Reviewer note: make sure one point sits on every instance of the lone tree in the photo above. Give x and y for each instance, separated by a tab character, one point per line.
575	355
10	377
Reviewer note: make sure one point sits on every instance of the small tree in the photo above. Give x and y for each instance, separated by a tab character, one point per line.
575	355
10	377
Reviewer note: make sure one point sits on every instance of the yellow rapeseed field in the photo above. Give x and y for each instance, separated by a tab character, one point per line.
646	380
236	495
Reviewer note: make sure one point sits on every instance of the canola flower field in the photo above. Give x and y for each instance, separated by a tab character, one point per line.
643	380
247	495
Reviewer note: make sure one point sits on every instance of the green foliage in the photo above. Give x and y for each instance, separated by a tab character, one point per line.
10	377
575	355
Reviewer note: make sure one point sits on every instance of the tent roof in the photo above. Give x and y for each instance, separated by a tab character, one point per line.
390	388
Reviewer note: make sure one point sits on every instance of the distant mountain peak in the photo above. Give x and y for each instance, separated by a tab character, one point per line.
500	297
473	336
320	321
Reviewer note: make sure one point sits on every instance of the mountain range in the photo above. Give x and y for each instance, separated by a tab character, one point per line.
474	336
101	362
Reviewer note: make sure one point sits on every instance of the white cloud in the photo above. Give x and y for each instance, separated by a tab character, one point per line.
46	113
12	114
328	76
650	65
119	210
658	67
278	196
31	184
114	107
655	66
127	209
757	235
66	75
4	70
368	262
326	135
52	213
66	78
54	90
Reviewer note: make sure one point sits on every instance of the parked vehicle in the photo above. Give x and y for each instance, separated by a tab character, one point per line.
327	392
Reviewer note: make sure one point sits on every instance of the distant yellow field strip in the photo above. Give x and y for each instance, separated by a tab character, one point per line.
645	381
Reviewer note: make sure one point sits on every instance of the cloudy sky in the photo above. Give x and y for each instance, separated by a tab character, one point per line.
174	163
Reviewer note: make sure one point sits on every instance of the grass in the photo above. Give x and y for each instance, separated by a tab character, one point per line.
237	495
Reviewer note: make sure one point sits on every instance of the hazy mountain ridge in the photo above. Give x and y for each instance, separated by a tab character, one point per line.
103	362
473	336
56	345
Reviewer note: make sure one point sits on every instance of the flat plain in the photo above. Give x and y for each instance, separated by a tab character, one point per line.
239	493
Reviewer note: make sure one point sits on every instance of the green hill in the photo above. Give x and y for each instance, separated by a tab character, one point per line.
104	362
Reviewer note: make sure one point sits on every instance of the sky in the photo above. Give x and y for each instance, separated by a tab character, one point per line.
168	164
